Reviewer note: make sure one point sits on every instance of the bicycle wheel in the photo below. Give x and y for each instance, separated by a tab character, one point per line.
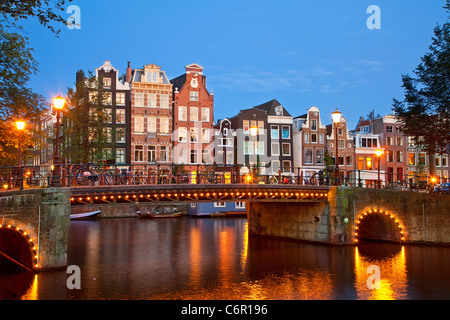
83	176
108	177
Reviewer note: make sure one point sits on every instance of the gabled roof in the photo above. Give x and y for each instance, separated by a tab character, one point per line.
270	108
179	82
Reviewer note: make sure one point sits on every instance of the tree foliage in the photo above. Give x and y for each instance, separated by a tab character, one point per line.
17	65
425	109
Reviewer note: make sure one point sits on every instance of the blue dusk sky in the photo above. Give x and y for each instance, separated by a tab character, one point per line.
302	53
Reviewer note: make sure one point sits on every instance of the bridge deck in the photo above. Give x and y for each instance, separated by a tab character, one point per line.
198	193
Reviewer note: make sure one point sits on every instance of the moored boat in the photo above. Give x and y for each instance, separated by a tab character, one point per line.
85	216
149	215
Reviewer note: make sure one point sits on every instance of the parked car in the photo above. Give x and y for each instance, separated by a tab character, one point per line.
442	188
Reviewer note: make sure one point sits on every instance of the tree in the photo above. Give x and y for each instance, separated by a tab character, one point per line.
17	64
85	121
425	110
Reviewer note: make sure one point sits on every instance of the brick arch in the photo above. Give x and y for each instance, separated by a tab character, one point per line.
379	224
18	246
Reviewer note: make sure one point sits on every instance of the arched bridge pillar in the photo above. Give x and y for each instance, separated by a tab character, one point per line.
41	217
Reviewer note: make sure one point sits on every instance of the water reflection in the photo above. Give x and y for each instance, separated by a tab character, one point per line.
391	261
209	259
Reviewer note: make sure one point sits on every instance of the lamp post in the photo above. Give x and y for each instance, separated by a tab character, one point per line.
336	116
254	133
379	152
20	125
58	103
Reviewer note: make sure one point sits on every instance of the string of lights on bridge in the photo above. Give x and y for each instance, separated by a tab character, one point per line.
29	240
391	216
204	196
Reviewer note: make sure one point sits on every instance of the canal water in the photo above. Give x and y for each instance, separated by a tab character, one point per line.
216	259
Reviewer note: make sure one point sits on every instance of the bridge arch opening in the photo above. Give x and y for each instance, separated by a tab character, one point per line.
379	225
17	248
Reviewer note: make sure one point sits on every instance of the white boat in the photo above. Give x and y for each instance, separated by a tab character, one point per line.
87	215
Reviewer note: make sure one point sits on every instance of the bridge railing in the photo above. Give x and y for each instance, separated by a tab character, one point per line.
111	174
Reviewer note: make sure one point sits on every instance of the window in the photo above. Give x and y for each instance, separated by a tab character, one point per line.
308	156
319	156
108	115
151	154
120	135
438	160
164	154
205	135
260	127
368	163
260	148
206	156
399	156
194	156
422	158
314	124
220	155
93	96
107	82
240	205
106	153
348	160
182	134
120	98
194	134
205	114
286	149
225	142
390	156
412	159
321	138
93	114
152	77
246	126
389	129
220	204
120	155
399	141
286	166
151	124
230	157
107	98
138	153
164	101
444	160
151	100
193	114
139	99
360	163
279	111
164	125
248	147
340	131
313	138
182	113
275	166
285	132
275	147
120	116
194	96
306	138
274	133
341	144
139	123
390	141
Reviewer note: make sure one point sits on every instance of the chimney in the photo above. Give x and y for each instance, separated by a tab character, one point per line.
128	77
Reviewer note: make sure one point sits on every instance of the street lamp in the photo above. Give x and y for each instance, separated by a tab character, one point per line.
58	104
20	125
379	152
336	116
254	133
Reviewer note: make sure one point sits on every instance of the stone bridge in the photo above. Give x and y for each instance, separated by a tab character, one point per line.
34	223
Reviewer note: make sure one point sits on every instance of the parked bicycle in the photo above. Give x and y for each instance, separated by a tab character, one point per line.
91	174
